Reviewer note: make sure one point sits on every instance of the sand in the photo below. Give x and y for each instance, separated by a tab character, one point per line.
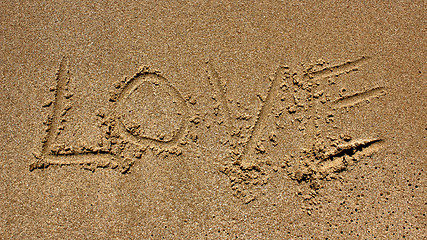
213	120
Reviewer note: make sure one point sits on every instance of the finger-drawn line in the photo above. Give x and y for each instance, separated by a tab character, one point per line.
371	148
352	100
100	159
47	157
336	160
355	146
215	80
315	164
62	78
104	158
131	85
343	156
336	70
256	131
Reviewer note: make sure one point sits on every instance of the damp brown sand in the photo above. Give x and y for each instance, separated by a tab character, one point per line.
213	121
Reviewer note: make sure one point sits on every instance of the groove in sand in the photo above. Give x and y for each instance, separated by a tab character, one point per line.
62	77
360	97
131	85
336	70
260	120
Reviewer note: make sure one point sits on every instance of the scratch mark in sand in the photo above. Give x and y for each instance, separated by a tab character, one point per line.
62	79
337	70
360	97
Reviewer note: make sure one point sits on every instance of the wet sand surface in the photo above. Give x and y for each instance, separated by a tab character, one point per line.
212	120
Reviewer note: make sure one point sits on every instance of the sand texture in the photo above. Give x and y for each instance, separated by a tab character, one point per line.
213	120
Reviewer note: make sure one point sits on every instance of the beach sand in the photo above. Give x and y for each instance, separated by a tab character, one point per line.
212	120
